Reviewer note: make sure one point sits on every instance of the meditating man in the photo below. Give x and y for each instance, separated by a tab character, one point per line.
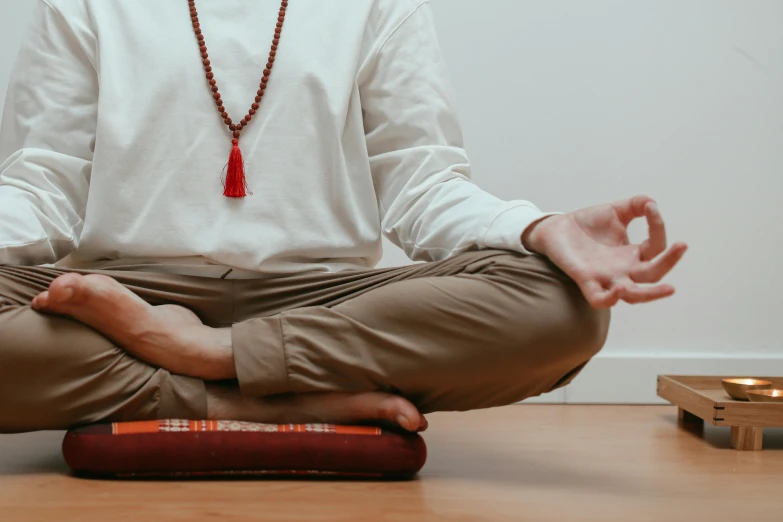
208	265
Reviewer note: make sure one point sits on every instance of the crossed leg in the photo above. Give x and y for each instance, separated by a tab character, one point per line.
70	345
479	330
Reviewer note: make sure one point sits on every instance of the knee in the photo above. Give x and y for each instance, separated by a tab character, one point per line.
553	330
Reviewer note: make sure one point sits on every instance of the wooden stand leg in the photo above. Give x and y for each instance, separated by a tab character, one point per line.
687	419
746	439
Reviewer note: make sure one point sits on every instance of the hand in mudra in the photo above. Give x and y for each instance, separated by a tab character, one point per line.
591	245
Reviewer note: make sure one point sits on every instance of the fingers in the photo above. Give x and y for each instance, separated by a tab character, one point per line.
634	294
629	209
656	242
598	296
654	271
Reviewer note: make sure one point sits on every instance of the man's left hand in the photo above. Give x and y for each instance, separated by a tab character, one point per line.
591	245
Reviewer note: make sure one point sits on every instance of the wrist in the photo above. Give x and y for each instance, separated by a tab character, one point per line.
533	236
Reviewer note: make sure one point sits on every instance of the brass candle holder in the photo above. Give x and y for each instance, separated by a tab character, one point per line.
738	388
770	395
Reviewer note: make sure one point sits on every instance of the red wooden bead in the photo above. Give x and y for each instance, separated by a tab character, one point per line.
237	128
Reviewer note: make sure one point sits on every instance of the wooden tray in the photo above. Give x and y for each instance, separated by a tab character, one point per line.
702	398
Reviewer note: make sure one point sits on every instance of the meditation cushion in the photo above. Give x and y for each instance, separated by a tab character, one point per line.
182	448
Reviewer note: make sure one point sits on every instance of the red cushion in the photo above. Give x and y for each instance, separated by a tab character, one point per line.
169	448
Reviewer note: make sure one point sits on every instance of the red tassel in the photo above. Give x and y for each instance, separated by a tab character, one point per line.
235	184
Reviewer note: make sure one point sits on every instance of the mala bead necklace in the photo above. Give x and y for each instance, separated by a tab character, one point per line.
235	183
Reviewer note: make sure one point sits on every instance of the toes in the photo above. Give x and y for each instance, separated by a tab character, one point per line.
66	289
401	412
41	301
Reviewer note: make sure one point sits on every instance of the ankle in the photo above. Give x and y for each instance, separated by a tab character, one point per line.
217	363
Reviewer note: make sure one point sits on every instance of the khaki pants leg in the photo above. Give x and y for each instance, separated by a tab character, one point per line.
56	373
478	330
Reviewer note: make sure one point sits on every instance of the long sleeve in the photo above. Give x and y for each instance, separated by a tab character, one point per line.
429	206
46	141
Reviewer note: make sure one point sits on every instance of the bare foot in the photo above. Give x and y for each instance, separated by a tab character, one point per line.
224	402
168	336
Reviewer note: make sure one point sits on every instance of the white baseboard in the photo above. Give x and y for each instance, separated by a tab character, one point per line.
621	379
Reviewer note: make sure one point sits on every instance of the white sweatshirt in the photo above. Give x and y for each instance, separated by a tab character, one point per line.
112	148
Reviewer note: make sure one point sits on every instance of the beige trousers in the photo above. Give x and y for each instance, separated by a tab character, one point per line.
478	330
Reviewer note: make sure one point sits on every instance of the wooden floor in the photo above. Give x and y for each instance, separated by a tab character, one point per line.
532	463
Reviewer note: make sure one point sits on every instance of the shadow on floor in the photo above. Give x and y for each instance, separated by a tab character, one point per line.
532	470
719	437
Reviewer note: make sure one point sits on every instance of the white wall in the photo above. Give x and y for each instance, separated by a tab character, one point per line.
574	102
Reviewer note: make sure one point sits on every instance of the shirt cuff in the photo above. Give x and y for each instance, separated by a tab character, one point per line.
505	232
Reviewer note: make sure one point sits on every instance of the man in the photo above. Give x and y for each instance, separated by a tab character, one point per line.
170	299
